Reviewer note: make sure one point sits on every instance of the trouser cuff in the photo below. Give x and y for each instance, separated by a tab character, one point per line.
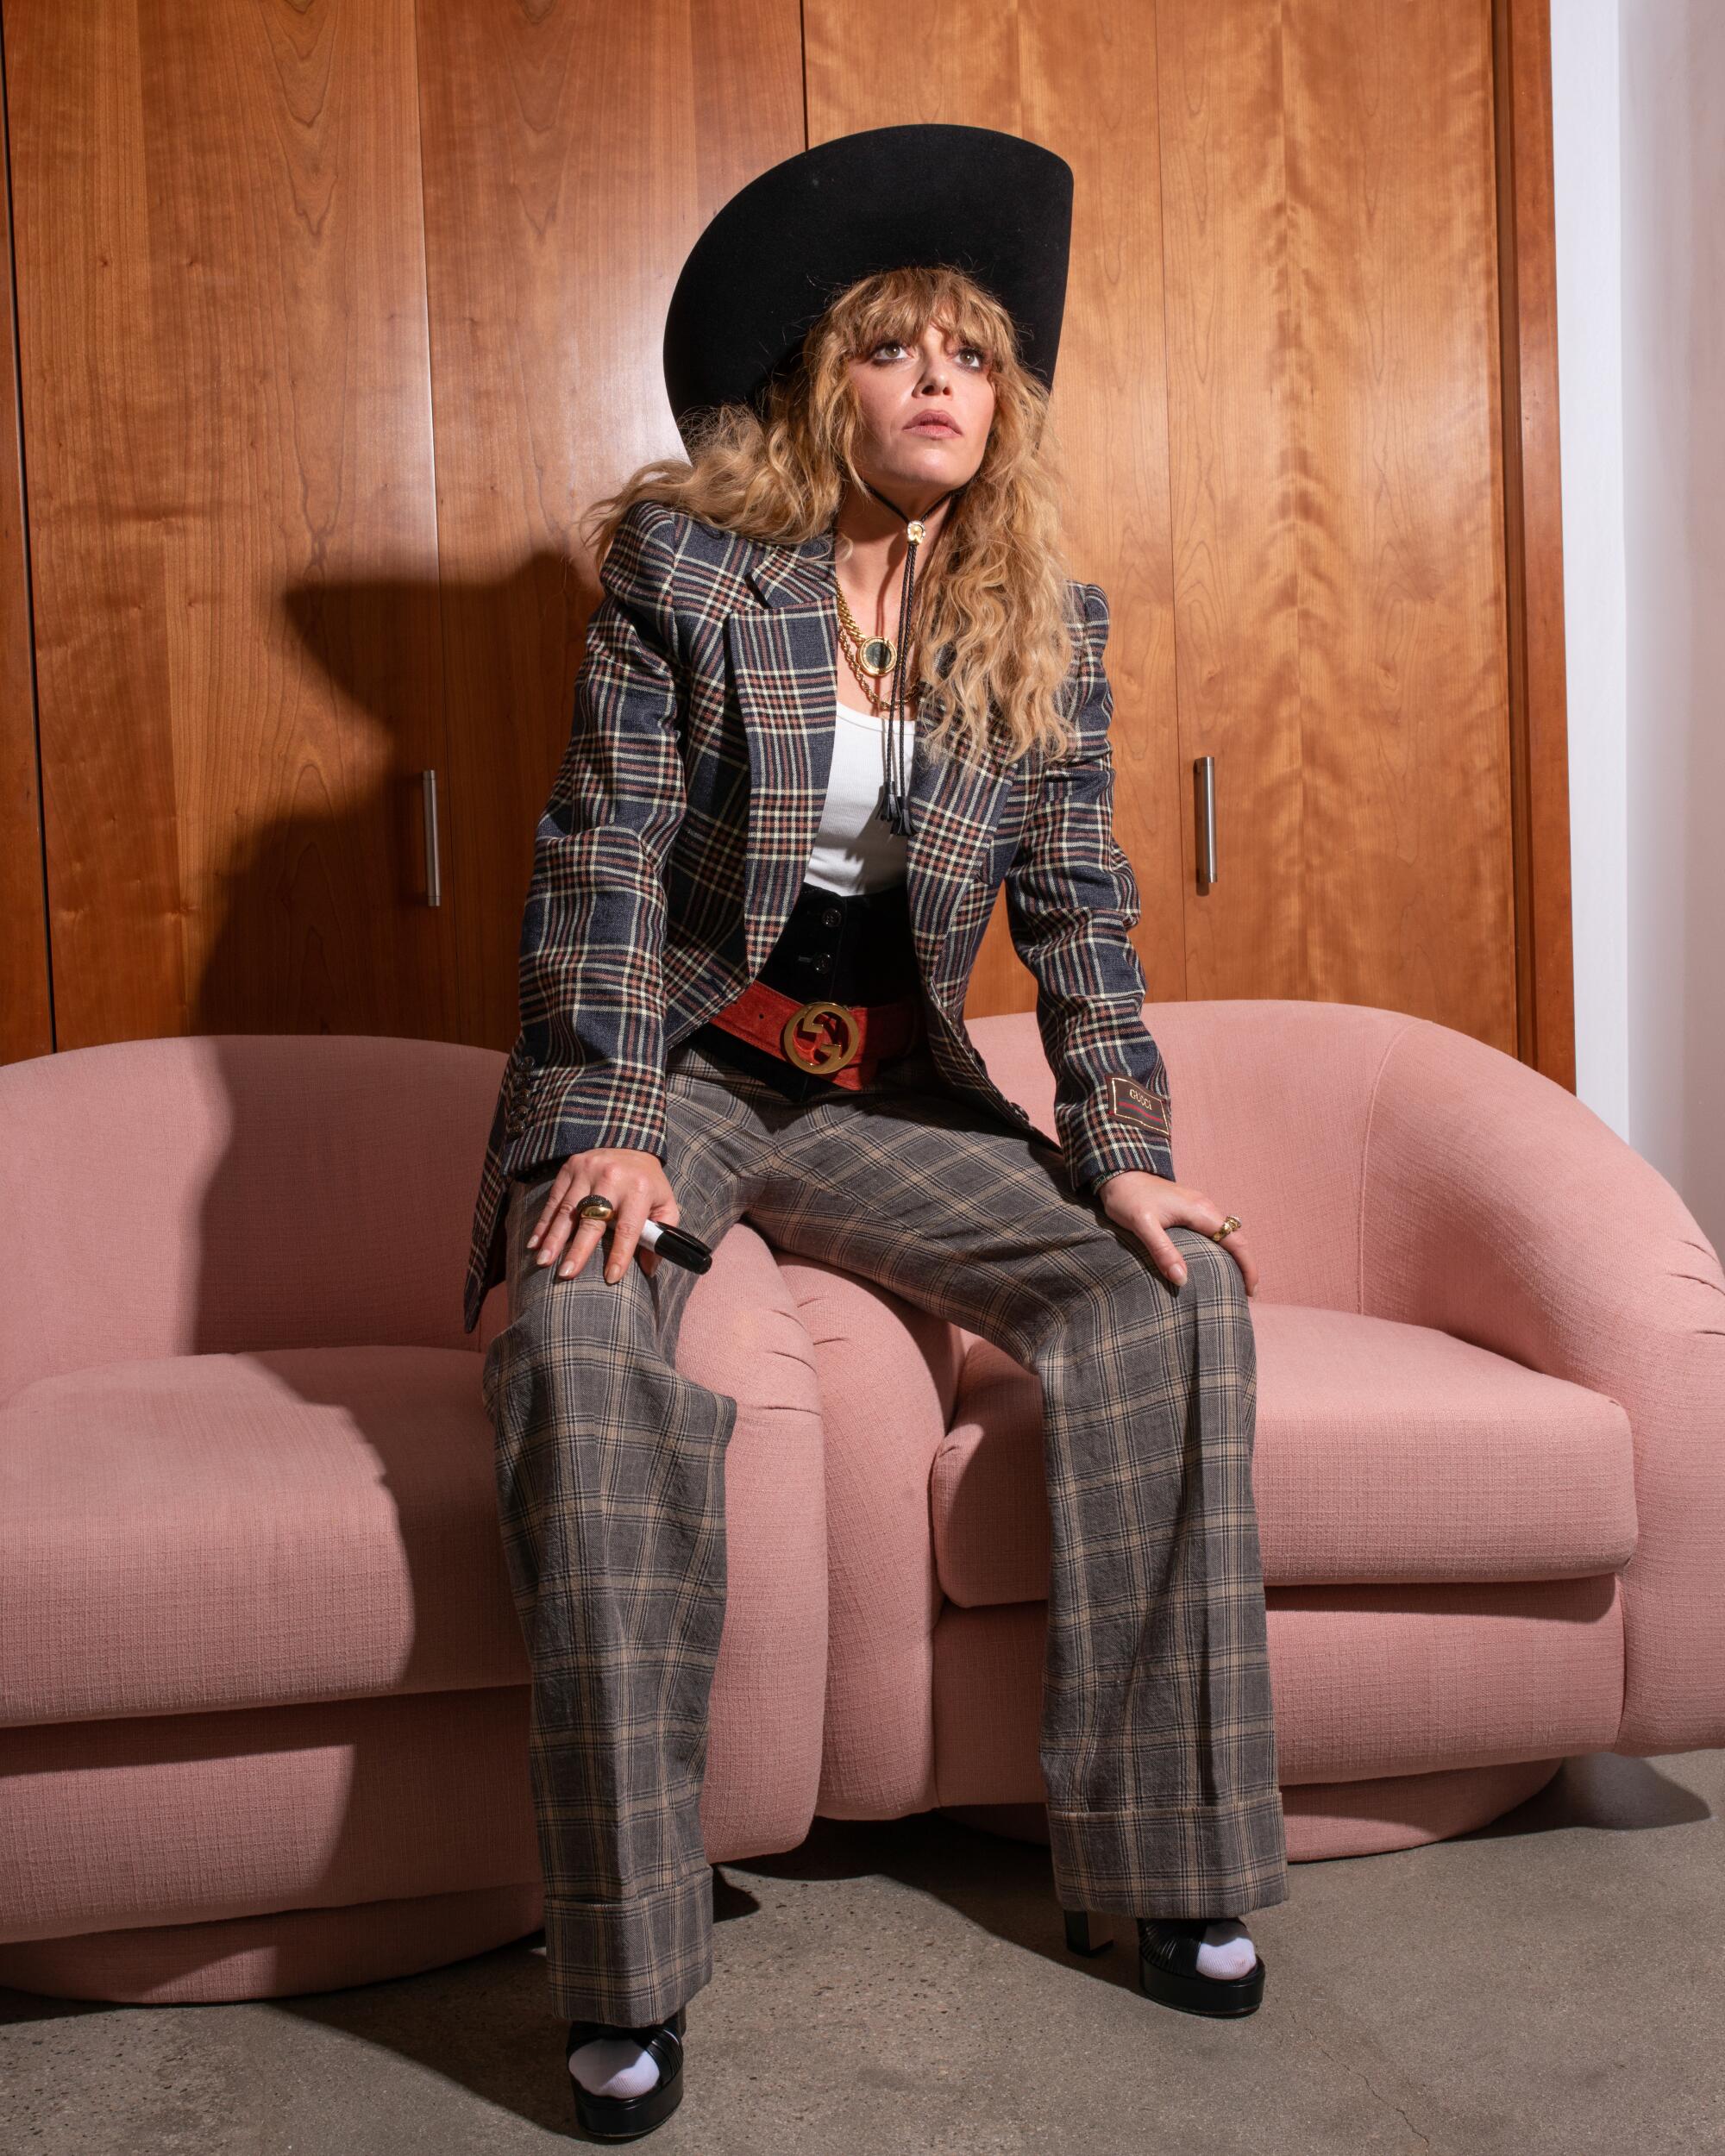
1196	1861
629	1961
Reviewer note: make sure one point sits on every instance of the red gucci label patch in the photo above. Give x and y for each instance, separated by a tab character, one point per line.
1134	1103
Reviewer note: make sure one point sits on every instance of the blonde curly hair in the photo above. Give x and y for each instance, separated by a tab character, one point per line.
999	624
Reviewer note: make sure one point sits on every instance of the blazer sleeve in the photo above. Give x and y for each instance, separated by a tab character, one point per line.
1072	902
592	934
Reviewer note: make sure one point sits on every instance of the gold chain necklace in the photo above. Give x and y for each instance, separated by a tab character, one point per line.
869	683
875	654
870	658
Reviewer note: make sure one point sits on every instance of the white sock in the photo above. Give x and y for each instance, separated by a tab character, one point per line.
614	2066
1226	1951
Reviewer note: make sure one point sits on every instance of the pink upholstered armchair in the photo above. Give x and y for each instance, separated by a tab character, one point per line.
1489	1464
262	1699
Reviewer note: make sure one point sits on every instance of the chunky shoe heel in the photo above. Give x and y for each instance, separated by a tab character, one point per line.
1168	1970
627	2118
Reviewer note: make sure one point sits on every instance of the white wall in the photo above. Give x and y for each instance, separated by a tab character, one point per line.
1638	87
1590	417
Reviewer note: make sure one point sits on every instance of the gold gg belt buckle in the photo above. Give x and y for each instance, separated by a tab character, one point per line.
821	1056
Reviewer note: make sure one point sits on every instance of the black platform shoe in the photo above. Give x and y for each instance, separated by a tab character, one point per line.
627	2118
1168	1969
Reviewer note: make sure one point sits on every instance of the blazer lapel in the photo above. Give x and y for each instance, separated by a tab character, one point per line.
784	666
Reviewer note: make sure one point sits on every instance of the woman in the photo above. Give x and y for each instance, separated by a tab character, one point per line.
744	966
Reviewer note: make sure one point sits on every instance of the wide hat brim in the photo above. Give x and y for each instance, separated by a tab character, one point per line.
770	262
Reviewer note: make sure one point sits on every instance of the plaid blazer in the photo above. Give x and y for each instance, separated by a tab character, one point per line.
679	828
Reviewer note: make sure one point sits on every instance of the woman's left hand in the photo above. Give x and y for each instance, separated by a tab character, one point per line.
1150	1205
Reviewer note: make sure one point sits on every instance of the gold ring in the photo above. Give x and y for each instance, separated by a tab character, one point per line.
822	1056
595	1206
1226	1229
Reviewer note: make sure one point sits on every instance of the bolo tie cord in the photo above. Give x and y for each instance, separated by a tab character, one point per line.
895	808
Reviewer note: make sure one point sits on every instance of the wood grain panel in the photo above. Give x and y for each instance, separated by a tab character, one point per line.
1233	388
958	62
261	249
572	154
1338	500
1533	492
1090	77
26	997
1081	80
228	423
1407	868
98	455
1278	399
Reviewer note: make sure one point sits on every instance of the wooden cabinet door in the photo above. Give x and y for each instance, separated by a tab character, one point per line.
1278	406
226	424
1328	233
572	154
332	322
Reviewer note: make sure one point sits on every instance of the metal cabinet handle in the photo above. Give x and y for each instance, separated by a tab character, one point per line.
434	871
1205	769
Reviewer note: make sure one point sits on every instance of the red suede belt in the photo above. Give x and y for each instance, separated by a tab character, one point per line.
842	1041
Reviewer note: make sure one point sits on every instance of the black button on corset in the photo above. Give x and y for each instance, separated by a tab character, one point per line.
854	948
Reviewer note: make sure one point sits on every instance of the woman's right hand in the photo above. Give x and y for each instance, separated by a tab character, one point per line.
637	1186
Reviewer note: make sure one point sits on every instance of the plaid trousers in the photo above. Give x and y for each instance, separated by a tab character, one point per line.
1157	1741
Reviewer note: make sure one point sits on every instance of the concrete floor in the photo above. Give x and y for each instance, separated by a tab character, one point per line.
1555	1983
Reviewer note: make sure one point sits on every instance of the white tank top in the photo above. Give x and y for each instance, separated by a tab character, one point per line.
854	848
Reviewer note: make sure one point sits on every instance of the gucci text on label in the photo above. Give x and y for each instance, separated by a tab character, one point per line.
1134	1103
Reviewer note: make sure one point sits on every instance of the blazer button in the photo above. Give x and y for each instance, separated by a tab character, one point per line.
831	918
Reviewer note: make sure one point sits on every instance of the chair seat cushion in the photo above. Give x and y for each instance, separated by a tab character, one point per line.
1383	1452
223	1531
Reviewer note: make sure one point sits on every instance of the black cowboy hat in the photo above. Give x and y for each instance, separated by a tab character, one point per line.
769	263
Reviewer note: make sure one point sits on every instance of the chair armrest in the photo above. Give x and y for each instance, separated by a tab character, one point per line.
1497	1206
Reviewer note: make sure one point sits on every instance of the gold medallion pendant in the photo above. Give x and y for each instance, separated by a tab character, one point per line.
874	655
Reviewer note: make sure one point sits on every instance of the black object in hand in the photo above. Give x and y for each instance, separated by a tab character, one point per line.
672	1242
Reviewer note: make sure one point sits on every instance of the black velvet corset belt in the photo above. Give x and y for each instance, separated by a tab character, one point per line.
849	949
855	949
